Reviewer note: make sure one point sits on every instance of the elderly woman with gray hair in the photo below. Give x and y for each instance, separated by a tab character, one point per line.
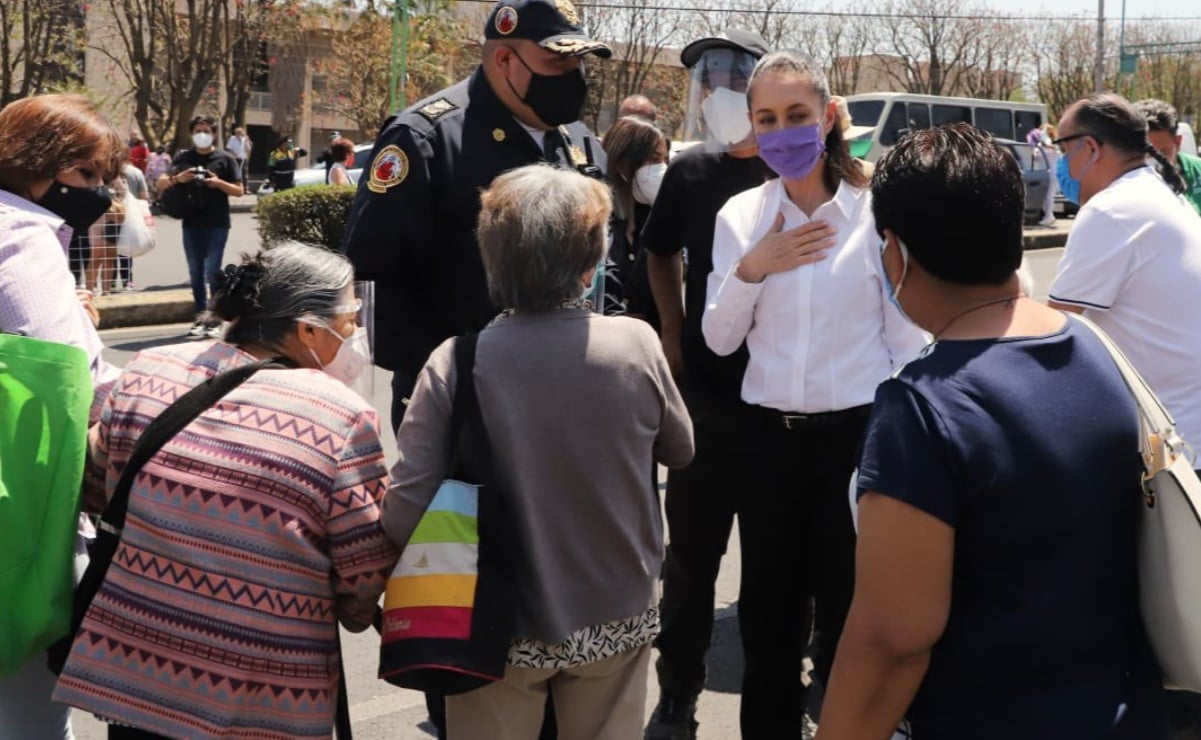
252	533
578	407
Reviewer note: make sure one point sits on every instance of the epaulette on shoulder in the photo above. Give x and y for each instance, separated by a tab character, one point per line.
435	110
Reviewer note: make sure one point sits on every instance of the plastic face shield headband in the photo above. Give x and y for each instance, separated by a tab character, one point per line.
718	79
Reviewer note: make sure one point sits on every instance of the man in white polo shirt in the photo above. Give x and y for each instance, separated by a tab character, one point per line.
1133	265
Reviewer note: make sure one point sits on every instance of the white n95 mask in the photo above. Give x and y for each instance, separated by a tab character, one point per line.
647	180
726	116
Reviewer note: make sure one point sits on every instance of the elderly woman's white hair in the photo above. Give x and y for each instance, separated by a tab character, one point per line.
541	230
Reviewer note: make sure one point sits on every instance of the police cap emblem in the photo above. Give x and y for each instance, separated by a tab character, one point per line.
506	20
389	169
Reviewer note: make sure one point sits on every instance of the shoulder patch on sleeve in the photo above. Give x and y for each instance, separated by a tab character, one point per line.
389	169
435	110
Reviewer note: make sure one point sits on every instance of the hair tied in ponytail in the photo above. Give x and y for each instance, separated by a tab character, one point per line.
239	291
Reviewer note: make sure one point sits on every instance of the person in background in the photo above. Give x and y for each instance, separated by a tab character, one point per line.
273	494
56	153
637	105
583	630
158	165
139	153
1051	154
1163	125
702	498
239	147
281	163
796	277
996	590
637	154
850	131
136	185
213	177
1132	263
102	272
326	156
341	152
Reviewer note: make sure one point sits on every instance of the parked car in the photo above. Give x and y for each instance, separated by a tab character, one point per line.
1036	174
315	175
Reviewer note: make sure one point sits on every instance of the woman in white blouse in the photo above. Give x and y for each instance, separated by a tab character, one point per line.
796	275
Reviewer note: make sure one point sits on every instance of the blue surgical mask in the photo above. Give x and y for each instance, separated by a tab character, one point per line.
894	291
1068	185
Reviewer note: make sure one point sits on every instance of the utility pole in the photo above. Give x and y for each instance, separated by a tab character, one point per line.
400	55
1099	65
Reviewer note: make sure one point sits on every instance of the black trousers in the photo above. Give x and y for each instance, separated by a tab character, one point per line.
798	559
700	503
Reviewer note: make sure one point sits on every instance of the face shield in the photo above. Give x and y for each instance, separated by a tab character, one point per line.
364	294
717	111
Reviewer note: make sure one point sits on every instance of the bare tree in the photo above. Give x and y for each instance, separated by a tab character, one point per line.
639	33
247	30
170	53
935	47
1062	53
40	47
1168	66
993	73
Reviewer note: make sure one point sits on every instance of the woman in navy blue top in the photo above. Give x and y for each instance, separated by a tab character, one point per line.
995	592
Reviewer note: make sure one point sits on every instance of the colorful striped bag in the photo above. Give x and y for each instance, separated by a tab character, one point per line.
449	605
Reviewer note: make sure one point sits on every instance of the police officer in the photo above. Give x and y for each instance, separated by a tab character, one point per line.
701	499
412	226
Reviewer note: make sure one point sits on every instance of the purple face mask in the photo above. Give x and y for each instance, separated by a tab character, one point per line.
792	152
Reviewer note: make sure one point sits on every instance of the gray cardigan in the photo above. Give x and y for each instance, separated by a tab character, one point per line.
578	409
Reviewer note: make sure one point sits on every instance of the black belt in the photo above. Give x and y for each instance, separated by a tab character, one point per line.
793	421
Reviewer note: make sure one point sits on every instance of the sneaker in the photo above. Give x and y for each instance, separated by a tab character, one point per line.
673	719
197	331
215	331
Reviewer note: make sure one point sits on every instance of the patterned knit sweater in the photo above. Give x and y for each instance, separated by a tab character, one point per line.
248	535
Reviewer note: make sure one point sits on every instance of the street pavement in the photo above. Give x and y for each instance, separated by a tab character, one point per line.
379	710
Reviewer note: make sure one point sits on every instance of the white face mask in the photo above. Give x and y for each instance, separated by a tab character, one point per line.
202	140
353	358
726	116
647	180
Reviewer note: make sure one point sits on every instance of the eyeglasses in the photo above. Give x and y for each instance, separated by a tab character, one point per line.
1063	140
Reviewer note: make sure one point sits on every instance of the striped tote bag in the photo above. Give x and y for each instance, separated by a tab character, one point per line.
449	604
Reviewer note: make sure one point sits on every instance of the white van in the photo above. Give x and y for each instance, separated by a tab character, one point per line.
881	118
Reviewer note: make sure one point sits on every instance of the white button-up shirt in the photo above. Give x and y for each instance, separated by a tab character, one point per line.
821	336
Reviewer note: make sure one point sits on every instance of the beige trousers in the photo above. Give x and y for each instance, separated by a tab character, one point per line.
605	700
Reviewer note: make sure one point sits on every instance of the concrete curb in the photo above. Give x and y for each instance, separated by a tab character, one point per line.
149	308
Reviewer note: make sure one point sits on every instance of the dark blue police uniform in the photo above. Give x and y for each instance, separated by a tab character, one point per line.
412	226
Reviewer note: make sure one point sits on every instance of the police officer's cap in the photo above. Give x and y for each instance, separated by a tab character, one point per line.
552	24
731	38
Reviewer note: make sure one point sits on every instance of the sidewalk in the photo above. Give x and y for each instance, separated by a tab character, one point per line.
153	307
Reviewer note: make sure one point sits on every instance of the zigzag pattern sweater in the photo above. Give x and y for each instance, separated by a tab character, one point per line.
248	534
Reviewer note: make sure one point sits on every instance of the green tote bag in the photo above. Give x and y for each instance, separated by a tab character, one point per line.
45	395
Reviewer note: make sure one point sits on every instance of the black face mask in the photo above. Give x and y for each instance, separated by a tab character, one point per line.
79	207
556	99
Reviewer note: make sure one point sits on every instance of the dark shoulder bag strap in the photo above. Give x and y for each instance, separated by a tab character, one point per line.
166	425
465	405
